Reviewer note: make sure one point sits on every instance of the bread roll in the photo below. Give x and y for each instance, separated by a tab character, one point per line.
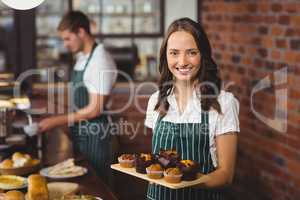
21	160
17	156
6	164
14	195
37	188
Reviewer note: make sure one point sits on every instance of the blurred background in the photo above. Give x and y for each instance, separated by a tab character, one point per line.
252	41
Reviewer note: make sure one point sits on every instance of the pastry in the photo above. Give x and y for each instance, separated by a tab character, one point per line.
189	169
59	189
14	195
142	161
21	160
66	168
154	171
126	160
168	158
78	197
172	175
37	188
6	164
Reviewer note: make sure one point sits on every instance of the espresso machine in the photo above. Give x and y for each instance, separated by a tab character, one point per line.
6	116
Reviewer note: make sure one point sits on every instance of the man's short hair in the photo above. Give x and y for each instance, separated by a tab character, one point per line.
74	20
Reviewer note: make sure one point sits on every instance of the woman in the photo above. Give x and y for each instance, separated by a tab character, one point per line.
191	114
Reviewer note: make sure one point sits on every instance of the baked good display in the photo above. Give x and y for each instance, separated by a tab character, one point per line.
189	169
168	158
64	169
6	104
78	197
14	195
6	164
21	160
126	160
165	168
18	160
154	171
11	182
142	161
172	175
37	188
21	102
59	189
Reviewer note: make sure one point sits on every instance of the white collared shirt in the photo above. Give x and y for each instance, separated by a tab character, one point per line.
219	124
101	72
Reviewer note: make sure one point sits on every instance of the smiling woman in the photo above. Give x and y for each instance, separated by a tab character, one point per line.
191	114
183	56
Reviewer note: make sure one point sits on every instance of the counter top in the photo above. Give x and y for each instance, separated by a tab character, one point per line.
57	147
120	87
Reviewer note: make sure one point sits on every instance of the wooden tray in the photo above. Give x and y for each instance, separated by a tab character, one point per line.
182	184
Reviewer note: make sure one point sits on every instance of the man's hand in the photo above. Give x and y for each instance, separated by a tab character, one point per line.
47	124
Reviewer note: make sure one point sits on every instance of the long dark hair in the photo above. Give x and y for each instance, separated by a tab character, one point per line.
209	82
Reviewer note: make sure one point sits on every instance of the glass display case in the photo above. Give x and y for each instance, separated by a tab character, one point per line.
116	23
6	32
49	47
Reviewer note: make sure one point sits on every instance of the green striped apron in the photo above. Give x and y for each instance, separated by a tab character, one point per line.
91	137
191	140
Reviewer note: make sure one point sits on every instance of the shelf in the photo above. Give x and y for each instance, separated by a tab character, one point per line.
49	14
135	35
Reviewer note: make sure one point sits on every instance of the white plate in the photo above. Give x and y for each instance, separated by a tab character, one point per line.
44	172
97	198
12	187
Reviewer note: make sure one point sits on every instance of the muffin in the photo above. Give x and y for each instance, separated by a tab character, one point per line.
168	158
154	171
189	169
172	175
142	161
126	160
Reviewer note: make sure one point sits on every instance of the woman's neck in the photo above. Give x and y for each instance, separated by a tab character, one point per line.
183	92
184	89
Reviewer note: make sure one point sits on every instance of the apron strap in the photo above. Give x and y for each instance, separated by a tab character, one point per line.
90	56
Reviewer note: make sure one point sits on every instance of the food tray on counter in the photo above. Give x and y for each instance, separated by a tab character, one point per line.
131	171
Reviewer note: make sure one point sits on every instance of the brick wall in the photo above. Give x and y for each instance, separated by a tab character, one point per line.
251	40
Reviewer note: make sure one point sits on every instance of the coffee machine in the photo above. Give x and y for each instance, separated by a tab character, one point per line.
6	115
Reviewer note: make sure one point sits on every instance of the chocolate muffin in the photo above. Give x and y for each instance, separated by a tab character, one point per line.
189	169
168	158
142	161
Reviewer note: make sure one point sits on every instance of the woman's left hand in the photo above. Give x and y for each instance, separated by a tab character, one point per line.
200	185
